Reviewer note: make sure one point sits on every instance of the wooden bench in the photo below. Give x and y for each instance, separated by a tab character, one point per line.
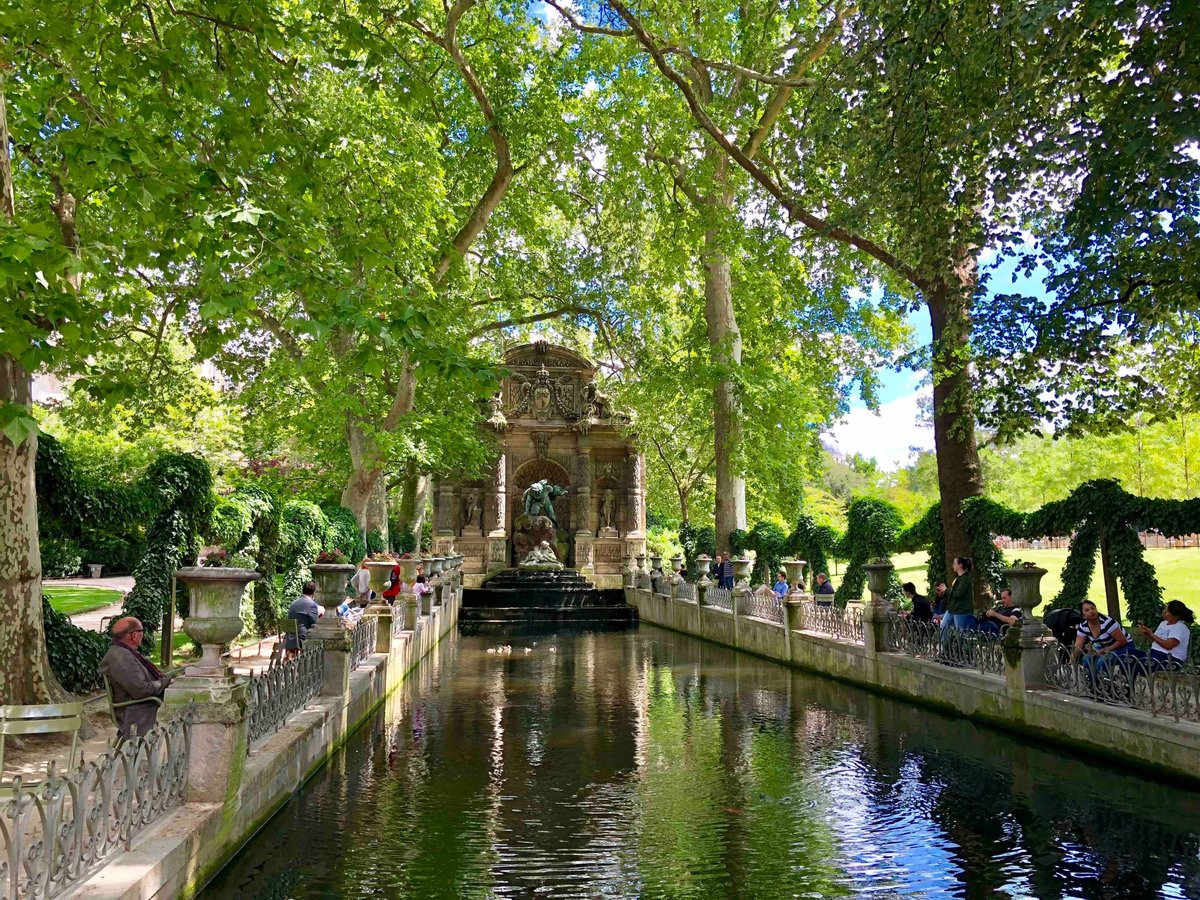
46	718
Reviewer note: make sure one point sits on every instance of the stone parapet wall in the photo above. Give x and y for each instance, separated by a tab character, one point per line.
1155	742
177	856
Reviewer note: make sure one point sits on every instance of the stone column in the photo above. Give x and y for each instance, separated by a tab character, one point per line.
497	549
584	533
635	509
444	511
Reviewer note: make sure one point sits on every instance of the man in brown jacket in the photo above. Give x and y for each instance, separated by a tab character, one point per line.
133	677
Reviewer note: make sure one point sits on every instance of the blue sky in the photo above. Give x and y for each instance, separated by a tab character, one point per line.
891	432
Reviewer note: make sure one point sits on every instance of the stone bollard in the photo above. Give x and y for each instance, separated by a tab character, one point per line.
221	699
1024	648
877	615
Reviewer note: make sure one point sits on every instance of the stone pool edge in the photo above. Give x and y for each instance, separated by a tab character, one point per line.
1156	744
178	855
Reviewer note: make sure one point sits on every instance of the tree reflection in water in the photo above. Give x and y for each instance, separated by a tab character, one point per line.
649	764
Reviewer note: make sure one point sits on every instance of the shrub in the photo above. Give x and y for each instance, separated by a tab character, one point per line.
74	652
61	559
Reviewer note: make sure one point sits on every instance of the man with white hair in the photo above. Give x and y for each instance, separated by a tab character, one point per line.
132	677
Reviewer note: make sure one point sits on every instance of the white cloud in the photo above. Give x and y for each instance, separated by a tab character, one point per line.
887	435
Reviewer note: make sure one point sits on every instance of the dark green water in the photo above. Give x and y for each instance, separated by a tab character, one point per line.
648	764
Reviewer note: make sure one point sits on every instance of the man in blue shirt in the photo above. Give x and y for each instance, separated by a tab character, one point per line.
781	586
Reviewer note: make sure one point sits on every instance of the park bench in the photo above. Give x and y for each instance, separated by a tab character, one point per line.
45	718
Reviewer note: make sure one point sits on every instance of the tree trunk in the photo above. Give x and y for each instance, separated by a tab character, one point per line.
25	675
1112	597
414	494
959	472
365	492
725	342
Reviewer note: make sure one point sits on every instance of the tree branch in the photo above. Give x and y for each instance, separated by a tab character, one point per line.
794	209
531	319
286	339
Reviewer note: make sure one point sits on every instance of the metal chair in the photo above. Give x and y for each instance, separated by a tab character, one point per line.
46	718
113	706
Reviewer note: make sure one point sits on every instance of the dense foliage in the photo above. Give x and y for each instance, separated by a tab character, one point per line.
75	653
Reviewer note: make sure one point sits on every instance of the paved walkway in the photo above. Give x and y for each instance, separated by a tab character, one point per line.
113	582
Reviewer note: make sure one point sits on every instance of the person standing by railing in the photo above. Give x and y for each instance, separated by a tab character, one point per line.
960	599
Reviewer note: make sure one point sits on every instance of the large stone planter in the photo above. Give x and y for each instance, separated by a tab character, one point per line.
216	602
795	574
655	562
741	571
381	571
1026	585
703	564
879	578
331	581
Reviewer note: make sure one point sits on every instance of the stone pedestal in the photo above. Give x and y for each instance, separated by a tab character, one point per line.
497	552
338	644
1024	647
383	628
218	734
877	615
406	608
584	557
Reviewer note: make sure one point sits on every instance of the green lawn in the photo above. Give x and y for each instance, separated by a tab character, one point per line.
75	600
1178	572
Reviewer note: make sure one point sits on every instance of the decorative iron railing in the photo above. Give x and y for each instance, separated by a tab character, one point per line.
365	635
721	598
1126	680
643	581
286	686
962	649
685	590
844	624
59	831
762	605
659	584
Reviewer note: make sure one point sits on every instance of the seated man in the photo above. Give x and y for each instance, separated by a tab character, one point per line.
305	611
781	586
939	605
921	610
132	677
1004	615
824	590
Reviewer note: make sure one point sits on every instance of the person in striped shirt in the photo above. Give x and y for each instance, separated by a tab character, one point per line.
1099	638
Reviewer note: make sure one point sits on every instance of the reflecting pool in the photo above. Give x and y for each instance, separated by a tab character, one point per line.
650	764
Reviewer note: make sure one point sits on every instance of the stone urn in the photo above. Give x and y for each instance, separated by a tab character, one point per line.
655	562
641	562
879	578
703	564
331	581
436	565
741	571
380	570
216	603
795	574
676	564
408	570
1026	585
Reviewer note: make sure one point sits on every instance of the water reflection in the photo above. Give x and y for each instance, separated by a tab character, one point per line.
647	764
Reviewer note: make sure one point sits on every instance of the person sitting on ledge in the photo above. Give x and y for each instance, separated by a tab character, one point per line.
132	677
921	610
781	586
1003	616
939	605
824	590
1100	637
1169	641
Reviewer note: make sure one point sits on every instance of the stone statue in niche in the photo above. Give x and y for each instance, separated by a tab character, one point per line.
607	509
541	444
539	499
472	507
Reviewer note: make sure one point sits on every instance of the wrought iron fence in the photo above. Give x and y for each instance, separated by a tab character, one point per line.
722	598
58	831
1126	680
658	584
844	624
365	635
762	605
962	649
286	686
685	590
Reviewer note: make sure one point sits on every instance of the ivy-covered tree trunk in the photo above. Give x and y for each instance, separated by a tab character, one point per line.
25	674
365	492
414	494
959	473
726	343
